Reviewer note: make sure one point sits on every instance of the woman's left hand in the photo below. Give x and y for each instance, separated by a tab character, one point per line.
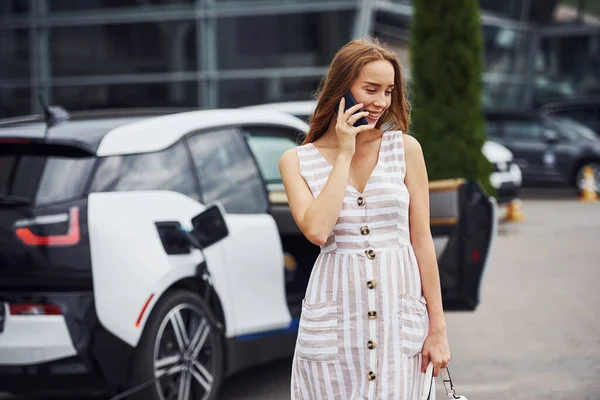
436	350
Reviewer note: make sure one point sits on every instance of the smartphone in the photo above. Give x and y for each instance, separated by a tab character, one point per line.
350	101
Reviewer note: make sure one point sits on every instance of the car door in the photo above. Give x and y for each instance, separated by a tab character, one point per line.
268	143
227	173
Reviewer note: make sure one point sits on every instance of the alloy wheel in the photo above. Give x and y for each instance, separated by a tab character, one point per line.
185	355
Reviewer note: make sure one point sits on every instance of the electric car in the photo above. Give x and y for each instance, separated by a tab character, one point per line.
152	253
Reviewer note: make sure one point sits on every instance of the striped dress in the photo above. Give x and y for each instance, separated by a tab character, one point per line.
364	318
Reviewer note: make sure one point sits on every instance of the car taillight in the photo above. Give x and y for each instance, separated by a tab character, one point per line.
71	237
34	309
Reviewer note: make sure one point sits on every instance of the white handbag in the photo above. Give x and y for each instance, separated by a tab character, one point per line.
426	393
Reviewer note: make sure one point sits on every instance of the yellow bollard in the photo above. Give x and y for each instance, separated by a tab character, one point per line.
588	192
514	212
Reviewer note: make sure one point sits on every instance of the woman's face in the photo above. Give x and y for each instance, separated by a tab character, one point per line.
373	88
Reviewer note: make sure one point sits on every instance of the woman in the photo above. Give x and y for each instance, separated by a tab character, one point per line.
372	316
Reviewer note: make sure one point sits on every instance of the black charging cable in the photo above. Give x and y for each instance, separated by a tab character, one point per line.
143	385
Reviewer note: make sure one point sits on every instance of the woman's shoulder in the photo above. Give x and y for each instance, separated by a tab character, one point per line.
296	153
411	143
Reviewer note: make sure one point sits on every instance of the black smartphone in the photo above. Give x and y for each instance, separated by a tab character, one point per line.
350	101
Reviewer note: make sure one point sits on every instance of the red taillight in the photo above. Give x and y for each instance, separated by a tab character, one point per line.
34	309
14	141
475	256
70	238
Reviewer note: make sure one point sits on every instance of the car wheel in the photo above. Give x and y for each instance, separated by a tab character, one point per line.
182	348
579	178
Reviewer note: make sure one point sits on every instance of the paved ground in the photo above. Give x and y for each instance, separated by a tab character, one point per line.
536	334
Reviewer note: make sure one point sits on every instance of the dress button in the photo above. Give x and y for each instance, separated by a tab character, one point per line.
371	375
371	344
370	254
365	230
360	201
372	314
372	284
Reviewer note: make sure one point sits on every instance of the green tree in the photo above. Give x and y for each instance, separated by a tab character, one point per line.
446	70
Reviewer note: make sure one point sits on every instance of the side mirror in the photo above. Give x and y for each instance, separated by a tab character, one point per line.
550	136
210	225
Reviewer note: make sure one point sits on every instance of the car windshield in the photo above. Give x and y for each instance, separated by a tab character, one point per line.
42	179
573	129
267	152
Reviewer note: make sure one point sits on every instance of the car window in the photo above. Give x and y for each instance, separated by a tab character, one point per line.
526	130
227	172
168	169
303	117
267	145
43	179
573	129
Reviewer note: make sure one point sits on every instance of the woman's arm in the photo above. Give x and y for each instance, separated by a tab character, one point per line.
436	346
317	217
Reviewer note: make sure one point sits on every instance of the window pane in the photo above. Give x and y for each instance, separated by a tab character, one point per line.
503	8
43	179
393	30
8	7
501	94
522	130
14	54
14	101
567	68
227	172
168	169
123	48
243	92
289	40
267	145
506	49
174	94
72	5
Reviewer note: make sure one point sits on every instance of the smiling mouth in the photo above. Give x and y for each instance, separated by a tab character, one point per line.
373	115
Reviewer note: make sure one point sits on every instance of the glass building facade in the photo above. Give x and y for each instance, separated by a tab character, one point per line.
228	53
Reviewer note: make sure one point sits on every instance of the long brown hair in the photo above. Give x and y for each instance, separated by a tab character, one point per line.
344	69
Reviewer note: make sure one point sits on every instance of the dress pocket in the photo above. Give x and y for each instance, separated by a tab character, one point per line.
414	322
318	332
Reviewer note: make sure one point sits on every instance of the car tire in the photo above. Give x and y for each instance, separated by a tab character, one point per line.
162	350
579	176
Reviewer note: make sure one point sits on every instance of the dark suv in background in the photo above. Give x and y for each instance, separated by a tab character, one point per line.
551	151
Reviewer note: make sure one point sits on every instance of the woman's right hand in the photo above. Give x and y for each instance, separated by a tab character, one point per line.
345	130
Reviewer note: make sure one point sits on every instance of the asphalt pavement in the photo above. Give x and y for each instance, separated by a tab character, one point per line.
536	333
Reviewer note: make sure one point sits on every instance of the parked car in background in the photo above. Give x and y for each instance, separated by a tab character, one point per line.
585	111
158	248
506	178
551	151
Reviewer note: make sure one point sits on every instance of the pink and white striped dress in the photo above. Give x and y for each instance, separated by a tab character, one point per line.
364	318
